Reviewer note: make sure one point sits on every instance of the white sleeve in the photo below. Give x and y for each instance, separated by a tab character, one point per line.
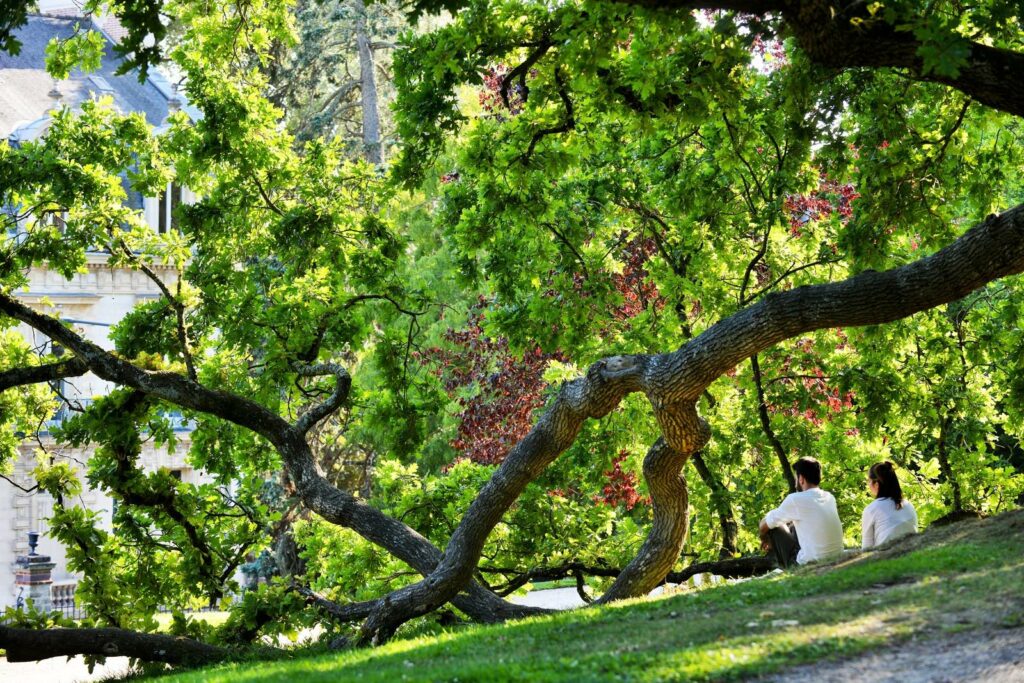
913	513
867	529
788	511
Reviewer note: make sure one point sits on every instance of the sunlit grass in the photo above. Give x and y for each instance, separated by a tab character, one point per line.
958	580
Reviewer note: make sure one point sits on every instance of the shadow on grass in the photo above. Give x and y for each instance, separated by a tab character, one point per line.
722	633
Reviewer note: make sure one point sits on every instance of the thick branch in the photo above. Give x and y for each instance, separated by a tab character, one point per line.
522	69
845	35
736	568
17	377
990	74
988	251
27	645
334	610
318	494
546	574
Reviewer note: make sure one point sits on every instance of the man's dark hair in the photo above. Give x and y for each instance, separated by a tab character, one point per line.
809	469
888	483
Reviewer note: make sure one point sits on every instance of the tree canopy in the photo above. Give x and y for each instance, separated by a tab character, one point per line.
615	238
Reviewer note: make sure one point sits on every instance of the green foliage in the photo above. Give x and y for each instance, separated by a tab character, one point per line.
22	408
83	50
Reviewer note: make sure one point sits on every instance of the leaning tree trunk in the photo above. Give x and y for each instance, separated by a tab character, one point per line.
674	381
595	395
663	469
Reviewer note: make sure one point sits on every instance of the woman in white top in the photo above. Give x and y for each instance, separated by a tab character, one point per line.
889	516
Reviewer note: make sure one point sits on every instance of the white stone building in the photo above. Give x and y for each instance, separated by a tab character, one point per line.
92	300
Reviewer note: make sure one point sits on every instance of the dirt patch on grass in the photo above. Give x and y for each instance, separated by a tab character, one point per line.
981	642
983	655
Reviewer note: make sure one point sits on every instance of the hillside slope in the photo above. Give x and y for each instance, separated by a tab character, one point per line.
957	584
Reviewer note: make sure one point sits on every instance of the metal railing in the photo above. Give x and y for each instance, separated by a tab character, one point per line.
62	599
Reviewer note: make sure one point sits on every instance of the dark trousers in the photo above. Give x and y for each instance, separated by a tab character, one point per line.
785	545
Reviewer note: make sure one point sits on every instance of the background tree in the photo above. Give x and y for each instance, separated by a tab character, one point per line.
335	81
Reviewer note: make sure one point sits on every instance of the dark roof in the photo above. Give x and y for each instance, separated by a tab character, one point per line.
24	83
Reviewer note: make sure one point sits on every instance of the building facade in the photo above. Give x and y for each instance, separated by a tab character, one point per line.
93	300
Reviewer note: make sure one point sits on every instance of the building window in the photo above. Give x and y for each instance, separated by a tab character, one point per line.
169	202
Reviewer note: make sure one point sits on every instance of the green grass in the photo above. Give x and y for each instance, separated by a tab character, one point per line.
957	578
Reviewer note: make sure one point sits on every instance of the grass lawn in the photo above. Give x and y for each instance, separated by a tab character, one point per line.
962	577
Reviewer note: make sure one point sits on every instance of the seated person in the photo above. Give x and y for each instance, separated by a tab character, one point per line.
805	527
889	516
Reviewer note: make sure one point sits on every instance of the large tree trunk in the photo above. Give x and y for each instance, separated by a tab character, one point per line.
663	469
674	381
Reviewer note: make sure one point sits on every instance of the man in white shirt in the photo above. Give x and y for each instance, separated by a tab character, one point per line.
805	527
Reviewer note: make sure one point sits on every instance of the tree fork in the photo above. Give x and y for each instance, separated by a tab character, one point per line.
595	395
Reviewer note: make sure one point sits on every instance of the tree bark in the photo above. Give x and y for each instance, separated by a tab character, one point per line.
663	469
674	381
368	88
28	645
16	377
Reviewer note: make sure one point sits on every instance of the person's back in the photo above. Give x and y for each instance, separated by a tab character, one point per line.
815	517
883	521
888	516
